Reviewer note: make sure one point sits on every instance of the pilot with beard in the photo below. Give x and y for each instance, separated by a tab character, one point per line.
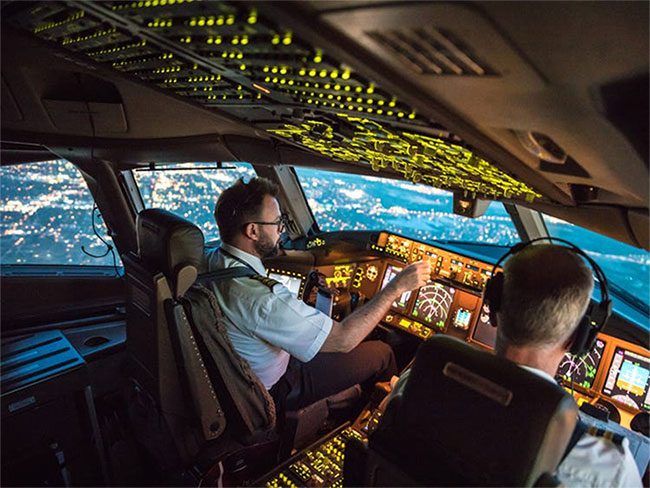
300	354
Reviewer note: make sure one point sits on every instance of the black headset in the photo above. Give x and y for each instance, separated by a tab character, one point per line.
596	315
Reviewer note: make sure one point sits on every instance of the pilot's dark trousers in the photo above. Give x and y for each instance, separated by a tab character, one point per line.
331	372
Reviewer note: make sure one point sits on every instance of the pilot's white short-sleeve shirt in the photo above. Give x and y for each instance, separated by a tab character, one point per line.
266	325
596	461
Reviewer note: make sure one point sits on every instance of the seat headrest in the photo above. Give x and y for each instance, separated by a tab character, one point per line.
170	244
471	418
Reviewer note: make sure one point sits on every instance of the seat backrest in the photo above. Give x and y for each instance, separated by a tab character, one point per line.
467	417
191	335
170	249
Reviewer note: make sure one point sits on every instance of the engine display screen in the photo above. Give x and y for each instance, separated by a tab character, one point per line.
462	318
627	380
433	303
484	333
581	370
291	282
392	272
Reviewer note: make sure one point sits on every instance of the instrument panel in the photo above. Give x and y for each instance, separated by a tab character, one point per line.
445	264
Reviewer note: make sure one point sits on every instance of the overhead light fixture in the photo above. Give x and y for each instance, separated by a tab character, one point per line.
541	146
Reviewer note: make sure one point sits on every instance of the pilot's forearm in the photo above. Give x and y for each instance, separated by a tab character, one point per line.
347	334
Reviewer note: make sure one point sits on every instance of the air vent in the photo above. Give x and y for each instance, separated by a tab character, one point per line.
432	51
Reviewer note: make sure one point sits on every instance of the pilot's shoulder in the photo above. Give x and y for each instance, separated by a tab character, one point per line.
265	280
607	435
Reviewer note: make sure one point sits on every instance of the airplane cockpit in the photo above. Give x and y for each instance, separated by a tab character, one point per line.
396	132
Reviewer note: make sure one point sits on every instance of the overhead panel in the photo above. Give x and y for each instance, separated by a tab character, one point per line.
225	56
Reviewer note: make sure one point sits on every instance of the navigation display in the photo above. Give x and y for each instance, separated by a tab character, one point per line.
581	370
291	282
433	303
627	380
392	272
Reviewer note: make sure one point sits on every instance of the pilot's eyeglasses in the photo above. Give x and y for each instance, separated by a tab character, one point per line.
281	223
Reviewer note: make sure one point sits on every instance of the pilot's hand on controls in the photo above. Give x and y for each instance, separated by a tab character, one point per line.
413	276
322	285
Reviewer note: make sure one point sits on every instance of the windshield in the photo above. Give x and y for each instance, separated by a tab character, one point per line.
627	268
354	202
191	191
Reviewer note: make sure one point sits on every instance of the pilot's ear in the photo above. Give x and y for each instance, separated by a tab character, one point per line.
251	231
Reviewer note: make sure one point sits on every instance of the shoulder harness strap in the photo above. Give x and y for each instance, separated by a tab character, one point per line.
224	274
578	432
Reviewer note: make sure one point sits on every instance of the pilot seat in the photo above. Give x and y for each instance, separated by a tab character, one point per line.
195	405
465	417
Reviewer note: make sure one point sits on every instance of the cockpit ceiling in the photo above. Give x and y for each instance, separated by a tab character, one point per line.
227	57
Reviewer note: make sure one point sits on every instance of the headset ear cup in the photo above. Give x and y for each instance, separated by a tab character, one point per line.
583	337
494	292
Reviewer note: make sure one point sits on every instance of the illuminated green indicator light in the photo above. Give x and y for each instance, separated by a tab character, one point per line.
252	17
437	162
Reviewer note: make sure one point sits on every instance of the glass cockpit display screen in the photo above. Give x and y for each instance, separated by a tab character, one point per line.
581	370
433	303
291	282
392	272
627	379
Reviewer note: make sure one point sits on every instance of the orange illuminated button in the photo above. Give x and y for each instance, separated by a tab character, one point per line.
405	323
425	333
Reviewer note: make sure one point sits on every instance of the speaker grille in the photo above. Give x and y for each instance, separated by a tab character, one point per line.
432	51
